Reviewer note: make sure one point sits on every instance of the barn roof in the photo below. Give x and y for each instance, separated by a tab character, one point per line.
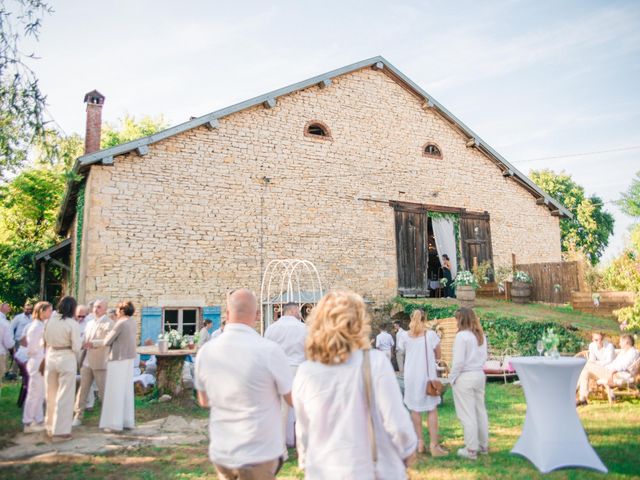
210	120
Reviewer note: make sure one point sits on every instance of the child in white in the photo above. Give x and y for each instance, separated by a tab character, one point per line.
468	382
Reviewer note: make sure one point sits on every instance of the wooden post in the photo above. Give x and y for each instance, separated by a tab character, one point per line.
581	283
474	268
43	293
513	262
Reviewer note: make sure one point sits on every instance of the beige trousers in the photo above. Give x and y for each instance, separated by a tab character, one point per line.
87	377
259	471
400	360
284	413
3	367
590	370
60	383
468	398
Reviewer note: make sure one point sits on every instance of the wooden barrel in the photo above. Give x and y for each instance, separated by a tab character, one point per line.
520	292
467	295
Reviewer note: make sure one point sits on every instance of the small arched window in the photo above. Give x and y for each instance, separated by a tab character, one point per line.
317	130
432	150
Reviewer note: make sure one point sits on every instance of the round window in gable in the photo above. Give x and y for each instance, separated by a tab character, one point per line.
317	130
432	150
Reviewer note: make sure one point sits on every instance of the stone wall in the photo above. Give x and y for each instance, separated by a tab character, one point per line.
204	211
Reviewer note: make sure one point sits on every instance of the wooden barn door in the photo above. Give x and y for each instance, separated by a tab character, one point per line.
475	236
411	251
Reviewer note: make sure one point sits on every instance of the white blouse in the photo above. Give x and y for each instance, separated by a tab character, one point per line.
332	420
468	356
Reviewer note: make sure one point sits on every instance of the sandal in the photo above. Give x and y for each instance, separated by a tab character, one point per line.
438	451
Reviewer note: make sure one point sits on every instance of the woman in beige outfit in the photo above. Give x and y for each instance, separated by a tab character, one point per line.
62	339
118	406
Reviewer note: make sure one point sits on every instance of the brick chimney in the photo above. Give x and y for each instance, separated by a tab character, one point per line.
94	101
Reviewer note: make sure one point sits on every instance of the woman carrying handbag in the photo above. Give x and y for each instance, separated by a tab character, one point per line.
421	381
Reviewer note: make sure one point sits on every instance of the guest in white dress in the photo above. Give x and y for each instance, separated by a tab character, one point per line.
468	382
118	408
335	427
33	414
421	343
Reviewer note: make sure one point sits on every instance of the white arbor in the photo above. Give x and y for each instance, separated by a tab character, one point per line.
288	281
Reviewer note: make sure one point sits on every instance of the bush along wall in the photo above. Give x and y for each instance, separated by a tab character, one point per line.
522	335
433	312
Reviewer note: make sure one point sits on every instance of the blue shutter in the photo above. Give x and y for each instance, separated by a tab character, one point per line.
151	324
213	314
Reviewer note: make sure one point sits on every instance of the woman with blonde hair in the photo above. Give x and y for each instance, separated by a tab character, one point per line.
468	381
33	414
350	419
422	352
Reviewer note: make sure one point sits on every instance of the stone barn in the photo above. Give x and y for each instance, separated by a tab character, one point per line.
358	170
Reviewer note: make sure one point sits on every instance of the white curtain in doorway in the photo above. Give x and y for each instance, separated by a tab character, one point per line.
446	241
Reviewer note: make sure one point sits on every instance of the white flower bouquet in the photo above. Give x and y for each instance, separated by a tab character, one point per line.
465	278
521	276
175	341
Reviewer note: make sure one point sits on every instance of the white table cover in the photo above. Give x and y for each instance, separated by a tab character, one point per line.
552	436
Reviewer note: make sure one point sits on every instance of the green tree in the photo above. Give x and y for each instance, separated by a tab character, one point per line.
630	201
591	226
21	101
128	128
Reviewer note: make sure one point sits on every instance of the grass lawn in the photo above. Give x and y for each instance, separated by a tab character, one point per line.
614	432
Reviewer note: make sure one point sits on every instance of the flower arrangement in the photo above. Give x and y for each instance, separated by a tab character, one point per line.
444	281
520	276
175	341
465	278
551	340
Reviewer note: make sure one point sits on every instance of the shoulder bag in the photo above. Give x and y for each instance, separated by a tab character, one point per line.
434	387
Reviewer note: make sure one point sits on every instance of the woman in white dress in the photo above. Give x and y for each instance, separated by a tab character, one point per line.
420	343
118	406
33	414
338	434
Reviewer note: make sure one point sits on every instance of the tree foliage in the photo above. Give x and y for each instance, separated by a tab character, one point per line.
21	101
591	226
128	128
630	201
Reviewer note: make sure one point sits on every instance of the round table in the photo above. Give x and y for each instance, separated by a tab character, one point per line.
552	436
169	366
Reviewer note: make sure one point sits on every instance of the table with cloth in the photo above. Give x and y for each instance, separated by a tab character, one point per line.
552	436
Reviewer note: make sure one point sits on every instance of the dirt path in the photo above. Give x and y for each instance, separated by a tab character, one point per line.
172	430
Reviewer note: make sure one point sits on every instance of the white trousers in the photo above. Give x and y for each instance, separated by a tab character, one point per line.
400	360
468	398
118	407
287	417
34	404
60	382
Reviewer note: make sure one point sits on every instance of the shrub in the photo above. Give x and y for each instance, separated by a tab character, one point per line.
432	311
521	335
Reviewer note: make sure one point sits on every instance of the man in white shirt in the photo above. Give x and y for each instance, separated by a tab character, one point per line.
6	339
204	335
621	363
290	333
241	377
601	351
384	341
401	340
18	325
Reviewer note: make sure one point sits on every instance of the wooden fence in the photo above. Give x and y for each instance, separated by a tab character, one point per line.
606	303
554	282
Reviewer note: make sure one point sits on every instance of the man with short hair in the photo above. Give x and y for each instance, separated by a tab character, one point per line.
241	377
205	332
290	333
83	318
94	360
18	325
6	339
605	373
601	351
401	344
384	341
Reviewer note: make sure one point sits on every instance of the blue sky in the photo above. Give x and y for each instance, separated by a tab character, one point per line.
533	78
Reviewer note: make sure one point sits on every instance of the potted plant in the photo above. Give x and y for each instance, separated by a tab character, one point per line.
521	287
466	285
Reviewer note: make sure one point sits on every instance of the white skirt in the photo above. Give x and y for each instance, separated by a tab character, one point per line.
118	406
